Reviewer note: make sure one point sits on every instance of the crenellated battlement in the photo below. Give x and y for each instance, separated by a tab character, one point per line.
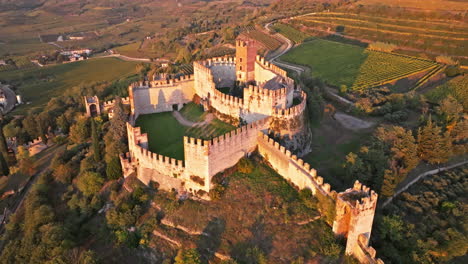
291	111
303	173
227	99
360	197
225	60
138	145
162	83
257	90
109	104
270	66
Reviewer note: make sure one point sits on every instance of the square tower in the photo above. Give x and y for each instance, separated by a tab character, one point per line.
246	54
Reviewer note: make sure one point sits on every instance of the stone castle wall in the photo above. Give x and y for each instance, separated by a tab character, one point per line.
290	167
161	96
355	208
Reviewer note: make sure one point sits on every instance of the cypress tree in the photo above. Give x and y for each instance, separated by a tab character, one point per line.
3	144
4	170
95	141
113	169
432	146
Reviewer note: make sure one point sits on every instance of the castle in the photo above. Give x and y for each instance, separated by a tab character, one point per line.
271	104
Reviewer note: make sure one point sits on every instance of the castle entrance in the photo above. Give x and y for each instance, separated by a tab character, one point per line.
93	110
175	107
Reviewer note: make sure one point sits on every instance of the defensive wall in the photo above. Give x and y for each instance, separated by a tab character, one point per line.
161	96
355	208
203	158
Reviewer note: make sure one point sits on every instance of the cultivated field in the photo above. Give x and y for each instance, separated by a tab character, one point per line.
436	36
457	87
290	32
266	40
342	64
39	85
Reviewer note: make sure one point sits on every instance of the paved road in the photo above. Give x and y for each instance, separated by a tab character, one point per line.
48	159
420	176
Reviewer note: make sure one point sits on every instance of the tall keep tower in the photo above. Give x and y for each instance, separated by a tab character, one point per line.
246	53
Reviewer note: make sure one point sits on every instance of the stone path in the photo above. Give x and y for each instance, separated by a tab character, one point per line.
185	122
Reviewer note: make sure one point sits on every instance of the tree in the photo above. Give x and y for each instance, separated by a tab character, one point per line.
431	144
403	149
113	169
95	141
184	55
25	161
3	144
118	126
79	132
4	170
450	109
389	183
188	256
89	183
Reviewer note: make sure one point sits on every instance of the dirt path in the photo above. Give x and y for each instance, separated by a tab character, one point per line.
351	122
420	176
185	122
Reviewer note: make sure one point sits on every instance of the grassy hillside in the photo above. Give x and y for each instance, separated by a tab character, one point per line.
39	85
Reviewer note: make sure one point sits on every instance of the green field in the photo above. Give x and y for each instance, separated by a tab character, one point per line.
342	64
39	85
165	133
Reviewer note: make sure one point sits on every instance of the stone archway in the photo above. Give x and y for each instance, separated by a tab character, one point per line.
93	110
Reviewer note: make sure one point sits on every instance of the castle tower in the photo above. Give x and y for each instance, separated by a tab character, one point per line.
355	209
246	53
93	108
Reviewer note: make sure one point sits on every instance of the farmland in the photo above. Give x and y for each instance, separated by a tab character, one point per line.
38	85
266	40
431	36
290	32
342	64
165	133
457	87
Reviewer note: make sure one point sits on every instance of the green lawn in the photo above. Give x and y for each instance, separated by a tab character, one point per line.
38	85
193	112
343	64
165	133
333	62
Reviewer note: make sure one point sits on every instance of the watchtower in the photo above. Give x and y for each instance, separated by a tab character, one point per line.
355	209
246	53
93	108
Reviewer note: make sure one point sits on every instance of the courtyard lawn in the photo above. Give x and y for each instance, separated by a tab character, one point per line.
193	112
343	64
165	133
39	85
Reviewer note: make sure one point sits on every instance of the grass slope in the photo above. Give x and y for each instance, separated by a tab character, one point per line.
333	62
257	209
38	85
